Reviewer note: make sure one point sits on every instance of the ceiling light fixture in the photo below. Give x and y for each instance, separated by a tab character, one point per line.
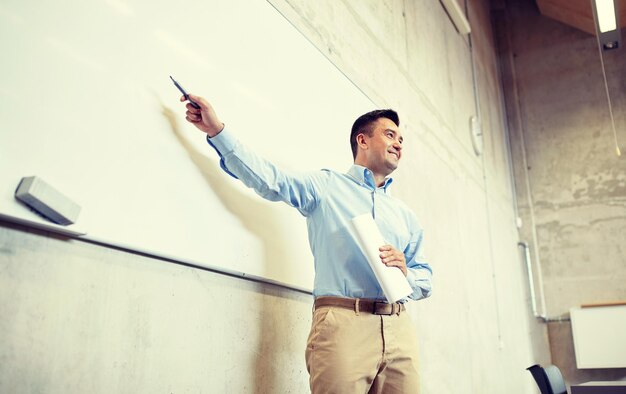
603	12
605	15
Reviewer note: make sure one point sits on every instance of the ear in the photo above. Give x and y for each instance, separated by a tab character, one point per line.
361	141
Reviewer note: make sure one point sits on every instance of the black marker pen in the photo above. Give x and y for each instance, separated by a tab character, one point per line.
193	103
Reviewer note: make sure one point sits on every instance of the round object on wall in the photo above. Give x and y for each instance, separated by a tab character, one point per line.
476	134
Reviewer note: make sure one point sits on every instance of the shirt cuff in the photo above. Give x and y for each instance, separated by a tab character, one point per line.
421	283
411	277
224	142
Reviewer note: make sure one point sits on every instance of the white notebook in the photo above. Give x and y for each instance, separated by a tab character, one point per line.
391	279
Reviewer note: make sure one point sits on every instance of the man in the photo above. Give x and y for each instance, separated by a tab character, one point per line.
358	343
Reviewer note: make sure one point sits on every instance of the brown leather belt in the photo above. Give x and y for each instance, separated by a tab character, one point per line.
360	305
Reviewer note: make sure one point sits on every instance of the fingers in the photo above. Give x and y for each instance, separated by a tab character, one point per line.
387	257
192	120
388	253
193	109
388	250
395	264
195	116
204	118
204	105
193	113
199	100
392	257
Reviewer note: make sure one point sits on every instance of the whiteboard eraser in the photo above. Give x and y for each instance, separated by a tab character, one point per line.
47	201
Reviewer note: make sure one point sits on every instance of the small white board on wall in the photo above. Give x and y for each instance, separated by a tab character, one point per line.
599	333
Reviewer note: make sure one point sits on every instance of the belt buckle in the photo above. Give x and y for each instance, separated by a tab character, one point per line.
386	309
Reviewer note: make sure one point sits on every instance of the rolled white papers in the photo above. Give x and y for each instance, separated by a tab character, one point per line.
391	279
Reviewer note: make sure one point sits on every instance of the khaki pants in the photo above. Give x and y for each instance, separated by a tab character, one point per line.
349	352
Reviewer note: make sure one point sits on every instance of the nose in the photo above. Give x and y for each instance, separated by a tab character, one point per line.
397	145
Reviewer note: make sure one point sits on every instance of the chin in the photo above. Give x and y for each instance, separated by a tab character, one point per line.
391	167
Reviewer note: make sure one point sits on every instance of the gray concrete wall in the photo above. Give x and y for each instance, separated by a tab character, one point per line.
571	185
80	317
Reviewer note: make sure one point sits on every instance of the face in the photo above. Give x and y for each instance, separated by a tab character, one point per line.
383	150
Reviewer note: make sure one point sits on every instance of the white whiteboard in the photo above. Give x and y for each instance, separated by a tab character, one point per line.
599	336
87	105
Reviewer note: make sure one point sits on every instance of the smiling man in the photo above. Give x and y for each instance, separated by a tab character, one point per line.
358	343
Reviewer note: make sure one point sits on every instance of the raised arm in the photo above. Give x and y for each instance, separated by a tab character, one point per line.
300	190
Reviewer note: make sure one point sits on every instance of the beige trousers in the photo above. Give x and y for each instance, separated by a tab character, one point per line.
349	352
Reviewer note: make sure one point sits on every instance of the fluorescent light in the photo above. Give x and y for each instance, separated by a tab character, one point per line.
606	15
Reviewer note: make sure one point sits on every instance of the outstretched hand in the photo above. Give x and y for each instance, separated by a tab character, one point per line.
205	118
392	257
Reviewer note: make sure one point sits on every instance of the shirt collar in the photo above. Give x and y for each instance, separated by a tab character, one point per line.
364	176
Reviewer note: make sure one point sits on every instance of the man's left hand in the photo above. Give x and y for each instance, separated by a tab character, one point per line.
392	257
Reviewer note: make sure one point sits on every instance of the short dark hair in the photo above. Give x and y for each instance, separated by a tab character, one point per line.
364	122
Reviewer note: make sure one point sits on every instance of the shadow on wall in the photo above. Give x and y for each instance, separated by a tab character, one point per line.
252	212
258	219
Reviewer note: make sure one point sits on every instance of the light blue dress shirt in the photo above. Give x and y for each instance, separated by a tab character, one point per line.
329	200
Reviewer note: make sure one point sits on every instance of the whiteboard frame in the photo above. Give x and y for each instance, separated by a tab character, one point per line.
81	236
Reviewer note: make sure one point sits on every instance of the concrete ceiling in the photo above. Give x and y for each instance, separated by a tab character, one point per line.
576	13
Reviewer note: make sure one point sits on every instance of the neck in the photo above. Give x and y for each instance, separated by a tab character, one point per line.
379	177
